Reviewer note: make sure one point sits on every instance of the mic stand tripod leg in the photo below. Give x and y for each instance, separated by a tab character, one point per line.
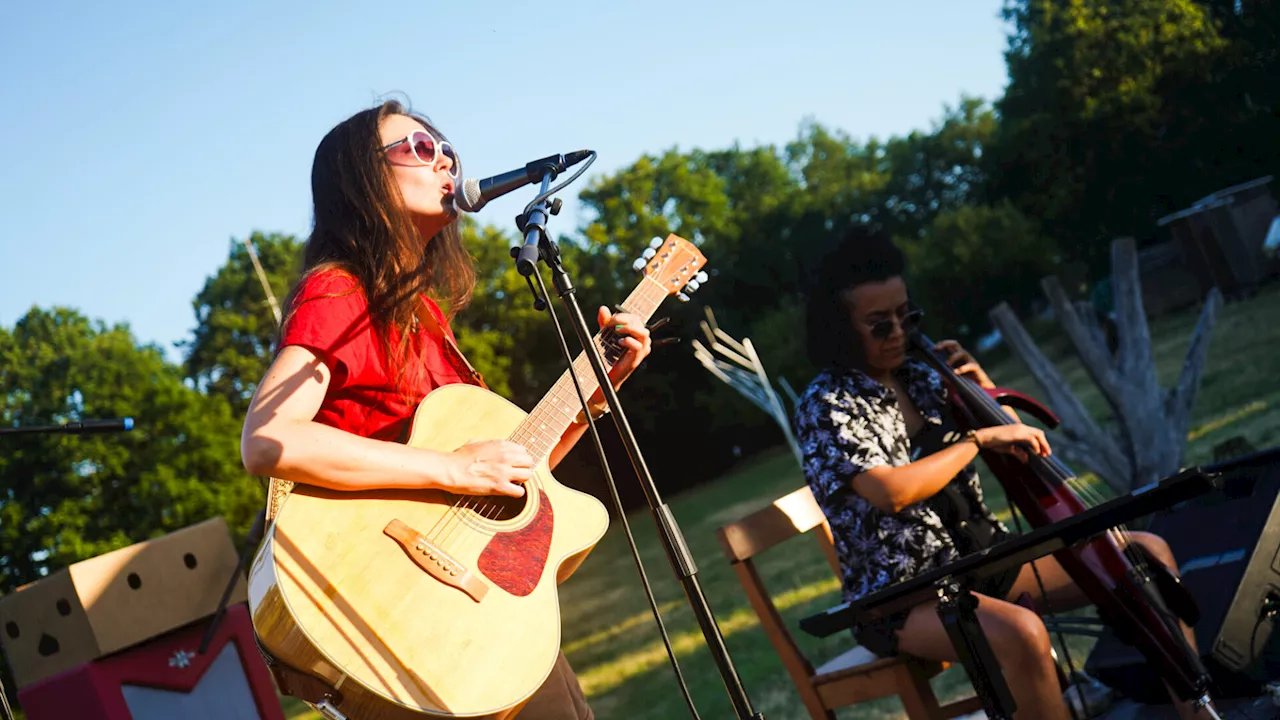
956	607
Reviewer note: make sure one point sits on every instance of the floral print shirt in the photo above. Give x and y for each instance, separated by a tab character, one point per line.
847	423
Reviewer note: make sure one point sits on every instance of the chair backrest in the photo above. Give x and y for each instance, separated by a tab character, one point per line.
793	514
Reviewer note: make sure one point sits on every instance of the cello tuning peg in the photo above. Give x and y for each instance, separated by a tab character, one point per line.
701	277
655	243
639	264
682	297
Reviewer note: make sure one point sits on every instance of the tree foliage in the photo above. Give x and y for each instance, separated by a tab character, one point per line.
1120	111
231	346
64	497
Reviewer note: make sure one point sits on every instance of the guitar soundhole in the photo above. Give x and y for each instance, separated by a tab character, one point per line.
495	507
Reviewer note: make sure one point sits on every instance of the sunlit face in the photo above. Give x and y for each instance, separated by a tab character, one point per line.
428	188
882	316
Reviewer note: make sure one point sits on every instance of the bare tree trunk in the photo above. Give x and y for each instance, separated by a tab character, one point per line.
1151	421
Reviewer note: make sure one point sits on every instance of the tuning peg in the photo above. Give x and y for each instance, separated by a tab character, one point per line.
655	243
639	264
682	297
649	253
693	286
701	277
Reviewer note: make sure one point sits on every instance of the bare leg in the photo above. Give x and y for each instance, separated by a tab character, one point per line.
1063	594
1159	549
1020	643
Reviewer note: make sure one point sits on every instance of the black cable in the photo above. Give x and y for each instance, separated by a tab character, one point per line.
1044	597
1270	608
613	491
552	191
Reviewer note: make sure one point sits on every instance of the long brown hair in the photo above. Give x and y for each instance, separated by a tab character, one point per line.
362	228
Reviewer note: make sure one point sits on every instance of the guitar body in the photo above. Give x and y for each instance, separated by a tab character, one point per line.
414	606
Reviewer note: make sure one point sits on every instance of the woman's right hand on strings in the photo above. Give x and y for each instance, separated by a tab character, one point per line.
490	467
1013	439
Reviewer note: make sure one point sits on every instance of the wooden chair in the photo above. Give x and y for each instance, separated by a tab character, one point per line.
852	677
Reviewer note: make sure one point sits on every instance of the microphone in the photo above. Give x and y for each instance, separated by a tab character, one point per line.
475	194
87	426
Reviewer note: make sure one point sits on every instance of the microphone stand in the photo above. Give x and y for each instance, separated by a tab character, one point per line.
538	245
88	426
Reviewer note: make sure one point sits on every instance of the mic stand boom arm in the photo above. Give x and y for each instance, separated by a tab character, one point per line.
539	245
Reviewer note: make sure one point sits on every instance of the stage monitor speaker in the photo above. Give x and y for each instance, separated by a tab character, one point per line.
1227	544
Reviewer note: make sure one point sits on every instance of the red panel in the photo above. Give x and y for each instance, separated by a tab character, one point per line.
514	561
169	662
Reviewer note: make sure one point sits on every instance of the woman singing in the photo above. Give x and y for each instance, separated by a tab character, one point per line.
897	482
364	339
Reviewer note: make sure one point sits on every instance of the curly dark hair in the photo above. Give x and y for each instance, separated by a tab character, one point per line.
865	254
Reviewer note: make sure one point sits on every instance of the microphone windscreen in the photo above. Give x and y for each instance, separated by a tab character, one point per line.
469	198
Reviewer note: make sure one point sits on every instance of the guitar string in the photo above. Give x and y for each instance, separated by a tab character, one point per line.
539	438
454	519
606	341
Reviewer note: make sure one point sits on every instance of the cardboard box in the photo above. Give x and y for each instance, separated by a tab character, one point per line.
166	678
105	604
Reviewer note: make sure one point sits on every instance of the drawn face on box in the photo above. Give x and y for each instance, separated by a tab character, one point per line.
125	597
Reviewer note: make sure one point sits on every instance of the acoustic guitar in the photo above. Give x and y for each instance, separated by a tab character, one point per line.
413	604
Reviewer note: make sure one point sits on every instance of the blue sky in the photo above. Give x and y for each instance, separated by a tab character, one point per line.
139	138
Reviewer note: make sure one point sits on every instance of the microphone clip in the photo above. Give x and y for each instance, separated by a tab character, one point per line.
522	220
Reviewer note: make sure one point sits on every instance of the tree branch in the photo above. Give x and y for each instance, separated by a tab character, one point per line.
1093	351
1183	395
1104	456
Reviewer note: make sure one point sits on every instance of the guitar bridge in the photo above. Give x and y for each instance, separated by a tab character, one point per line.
435	561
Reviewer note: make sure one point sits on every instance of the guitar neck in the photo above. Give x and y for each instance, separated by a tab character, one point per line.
542	429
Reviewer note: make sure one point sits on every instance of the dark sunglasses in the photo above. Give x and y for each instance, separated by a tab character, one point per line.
419	148
909	322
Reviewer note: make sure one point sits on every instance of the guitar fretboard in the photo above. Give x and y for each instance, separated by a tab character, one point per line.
543	428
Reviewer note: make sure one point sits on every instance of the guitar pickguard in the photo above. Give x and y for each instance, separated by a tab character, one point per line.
514	561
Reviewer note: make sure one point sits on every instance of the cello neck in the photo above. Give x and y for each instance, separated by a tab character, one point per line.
988	411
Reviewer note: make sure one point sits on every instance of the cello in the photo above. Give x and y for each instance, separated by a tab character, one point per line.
1133	592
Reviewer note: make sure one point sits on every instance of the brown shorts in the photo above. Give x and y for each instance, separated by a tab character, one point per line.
559	698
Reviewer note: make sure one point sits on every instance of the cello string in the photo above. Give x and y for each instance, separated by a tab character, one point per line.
1120	535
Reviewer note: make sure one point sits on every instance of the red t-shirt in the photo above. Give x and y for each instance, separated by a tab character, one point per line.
363	397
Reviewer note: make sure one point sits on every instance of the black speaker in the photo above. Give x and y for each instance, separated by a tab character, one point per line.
1227	544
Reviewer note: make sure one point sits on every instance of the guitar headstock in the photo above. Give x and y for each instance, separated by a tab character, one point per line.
675	264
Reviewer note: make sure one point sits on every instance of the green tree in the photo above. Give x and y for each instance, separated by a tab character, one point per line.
940	170
233	342
64	498
972	258
1094	139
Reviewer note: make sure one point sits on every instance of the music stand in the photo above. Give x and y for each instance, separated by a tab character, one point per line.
951	584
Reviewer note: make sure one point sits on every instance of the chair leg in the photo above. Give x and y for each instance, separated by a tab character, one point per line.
813	703
916	694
